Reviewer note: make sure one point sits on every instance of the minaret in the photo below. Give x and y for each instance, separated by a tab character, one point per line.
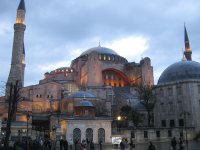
18	51
187	52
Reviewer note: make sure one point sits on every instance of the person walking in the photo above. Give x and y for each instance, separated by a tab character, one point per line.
122	145
70	144
65	144
151	146
132	145
61	144
173	143
78	145
100	144
181	144
92	146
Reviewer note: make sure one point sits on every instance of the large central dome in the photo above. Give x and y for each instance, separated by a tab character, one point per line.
183	70
99	49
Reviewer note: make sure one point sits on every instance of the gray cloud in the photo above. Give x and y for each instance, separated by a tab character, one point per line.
57	26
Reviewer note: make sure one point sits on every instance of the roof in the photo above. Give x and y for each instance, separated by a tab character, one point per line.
179	71
83	94
84	103
99	49
21	5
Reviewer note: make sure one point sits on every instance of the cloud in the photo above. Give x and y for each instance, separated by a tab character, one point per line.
51	67
130	47
59	31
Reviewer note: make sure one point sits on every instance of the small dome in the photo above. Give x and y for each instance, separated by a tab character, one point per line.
84	104
83	94
99	49
183	70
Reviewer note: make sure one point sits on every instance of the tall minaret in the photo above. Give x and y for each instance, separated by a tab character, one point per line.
187	52
18	51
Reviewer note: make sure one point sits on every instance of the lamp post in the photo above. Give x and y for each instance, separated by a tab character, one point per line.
27	119
185	114
119	118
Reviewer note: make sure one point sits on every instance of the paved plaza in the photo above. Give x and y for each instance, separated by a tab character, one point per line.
192	145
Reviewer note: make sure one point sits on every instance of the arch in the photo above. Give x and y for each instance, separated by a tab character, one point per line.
101	135
114	77
89	134
76	134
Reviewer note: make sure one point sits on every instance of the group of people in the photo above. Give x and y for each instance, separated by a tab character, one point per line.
174	144
37	144
84	145
64	144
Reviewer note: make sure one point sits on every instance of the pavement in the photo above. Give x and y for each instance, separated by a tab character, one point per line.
192	145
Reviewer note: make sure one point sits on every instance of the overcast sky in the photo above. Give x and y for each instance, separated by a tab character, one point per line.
58	31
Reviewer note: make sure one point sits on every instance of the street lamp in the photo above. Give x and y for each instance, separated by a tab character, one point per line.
119	118
185	113
27	118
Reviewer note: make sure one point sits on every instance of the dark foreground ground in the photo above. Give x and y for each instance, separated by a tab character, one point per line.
192	145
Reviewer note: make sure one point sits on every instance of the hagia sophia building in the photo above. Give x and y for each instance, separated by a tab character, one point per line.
80	101
76	101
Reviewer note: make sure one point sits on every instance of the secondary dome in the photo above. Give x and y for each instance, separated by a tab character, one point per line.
183	70
99	49
84	104
83	94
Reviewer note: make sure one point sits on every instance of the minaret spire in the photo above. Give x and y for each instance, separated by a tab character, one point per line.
187	52
21	5
18	51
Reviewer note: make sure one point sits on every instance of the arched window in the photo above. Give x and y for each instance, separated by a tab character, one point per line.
76	134
89	134
101	135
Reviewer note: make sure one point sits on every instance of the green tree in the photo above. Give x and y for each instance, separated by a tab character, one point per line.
12	98
131	115
148	99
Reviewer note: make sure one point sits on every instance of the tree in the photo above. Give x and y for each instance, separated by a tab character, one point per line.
148	99
12	98
101	109
131	115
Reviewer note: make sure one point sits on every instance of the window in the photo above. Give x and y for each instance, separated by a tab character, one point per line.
181	133
172	123
69	88
145	134
113	58
106	76
181	122
163	123
158	134
104	57
169	133
99	57
170	92
171	107
178	90
161	92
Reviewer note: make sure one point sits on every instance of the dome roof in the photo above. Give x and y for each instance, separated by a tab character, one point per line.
83	94
99	49
182	70
84	104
